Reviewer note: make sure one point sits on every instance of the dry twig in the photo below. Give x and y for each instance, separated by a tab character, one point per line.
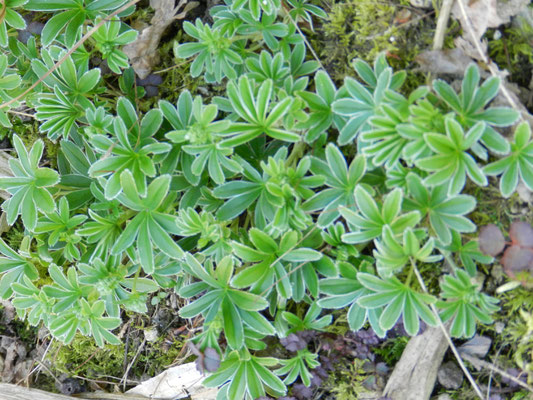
442	23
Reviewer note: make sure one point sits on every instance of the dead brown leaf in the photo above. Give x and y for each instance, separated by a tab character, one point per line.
143	52
8	312
15	352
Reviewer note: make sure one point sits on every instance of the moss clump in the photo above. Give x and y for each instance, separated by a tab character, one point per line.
14	236
84	358
365	28
357	29
392	349
161	354
512	48
29	133
348	382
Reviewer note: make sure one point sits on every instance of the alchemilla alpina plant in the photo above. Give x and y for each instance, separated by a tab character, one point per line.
265	208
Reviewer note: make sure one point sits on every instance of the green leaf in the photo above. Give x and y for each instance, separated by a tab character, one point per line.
233	328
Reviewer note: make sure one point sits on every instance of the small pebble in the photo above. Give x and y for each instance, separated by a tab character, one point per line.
35	27
151	91
150	334
24	36
450	375
524	193
71	386
421	3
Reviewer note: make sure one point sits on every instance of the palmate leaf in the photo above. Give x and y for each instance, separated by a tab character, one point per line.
243	374
66	289
385	144
470	105
127	150
236	308
200	139
31	302
341	181
102	231
362	102
516	166
13	268
310	321
266	67
270	259
452	162
256	114
10	18
59	114
344	291
60	226
298	366
108	40
392	255
71	78
214	52
65	325
277	193
28	186
266	28
469	253
371	218
446	213
97	324
71	16
398	300
150	229
113	282
465	304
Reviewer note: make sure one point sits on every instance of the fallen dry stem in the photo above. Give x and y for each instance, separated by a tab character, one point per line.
484	364
442	23
492	68
130	365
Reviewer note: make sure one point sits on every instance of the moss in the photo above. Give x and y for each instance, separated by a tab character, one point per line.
347	383
517	314
365	28
158	357
356	29
29	133
177	77
512	49
14	236
84	358
392	349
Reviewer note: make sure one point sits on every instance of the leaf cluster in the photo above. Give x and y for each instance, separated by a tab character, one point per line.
262	208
